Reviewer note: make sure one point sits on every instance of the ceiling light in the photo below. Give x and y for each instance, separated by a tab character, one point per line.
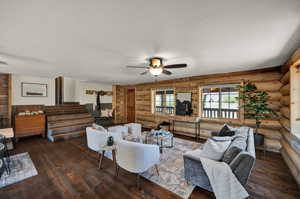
156	61
156	70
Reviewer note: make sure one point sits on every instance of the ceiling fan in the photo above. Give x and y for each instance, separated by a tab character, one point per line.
3	62
156	67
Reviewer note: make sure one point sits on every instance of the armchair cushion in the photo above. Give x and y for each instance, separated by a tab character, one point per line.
99	127
120	129
135	129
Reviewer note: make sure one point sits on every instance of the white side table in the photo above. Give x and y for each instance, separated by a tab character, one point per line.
108	148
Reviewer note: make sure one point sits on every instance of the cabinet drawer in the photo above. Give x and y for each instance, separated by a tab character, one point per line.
29	125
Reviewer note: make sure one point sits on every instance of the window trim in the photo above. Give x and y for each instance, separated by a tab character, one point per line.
240	119
153	100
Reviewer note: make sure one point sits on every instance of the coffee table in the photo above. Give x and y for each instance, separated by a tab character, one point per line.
160	137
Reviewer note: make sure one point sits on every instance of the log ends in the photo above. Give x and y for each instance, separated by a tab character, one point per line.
285	123
285	78
285	100
290	154
285	112
285	90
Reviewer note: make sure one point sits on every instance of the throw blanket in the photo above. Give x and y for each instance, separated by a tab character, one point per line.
223	182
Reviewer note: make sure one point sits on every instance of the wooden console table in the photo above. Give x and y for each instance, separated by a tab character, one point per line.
197	127
28	125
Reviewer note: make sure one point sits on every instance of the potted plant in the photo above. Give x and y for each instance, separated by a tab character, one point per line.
255	104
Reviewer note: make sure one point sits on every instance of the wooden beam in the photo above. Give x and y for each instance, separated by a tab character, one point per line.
9	100
218	76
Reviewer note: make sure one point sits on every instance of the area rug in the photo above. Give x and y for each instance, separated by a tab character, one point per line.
21	167
171	168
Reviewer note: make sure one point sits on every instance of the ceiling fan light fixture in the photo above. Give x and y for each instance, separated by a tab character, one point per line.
156	70
156	62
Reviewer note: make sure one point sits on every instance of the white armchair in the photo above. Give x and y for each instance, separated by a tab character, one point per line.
135	129
137	157
123	130
97	139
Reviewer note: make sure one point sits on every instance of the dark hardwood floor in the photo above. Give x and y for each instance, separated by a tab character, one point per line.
68	169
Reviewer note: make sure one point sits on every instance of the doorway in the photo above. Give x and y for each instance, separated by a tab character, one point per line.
131	105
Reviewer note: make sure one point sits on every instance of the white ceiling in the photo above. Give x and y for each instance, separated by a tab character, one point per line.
95	39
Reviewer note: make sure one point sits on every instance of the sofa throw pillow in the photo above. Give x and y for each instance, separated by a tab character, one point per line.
214	150
99	127
237	145
226	131
104	113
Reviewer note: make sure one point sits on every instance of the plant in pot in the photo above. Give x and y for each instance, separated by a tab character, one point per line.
255	104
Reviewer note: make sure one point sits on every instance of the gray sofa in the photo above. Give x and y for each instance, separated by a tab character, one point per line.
241	163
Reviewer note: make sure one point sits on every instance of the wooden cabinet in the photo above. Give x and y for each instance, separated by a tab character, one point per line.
29	125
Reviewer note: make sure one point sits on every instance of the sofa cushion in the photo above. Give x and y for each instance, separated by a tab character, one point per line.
214	150
226	131
237	145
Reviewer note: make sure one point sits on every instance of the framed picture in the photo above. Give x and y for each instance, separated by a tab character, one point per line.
34	90
184	104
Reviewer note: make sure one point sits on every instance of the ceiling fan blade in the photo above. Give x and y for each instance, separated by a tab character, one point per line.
166	72
3	62
137	66
176	66
144	73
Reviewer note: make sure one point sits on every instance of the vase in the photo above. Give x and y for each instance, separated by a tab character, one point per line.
259	139
110	141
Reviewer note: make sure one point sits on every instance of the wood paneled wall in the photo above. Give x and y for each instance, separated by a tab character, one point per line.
265	79
5	100
290	144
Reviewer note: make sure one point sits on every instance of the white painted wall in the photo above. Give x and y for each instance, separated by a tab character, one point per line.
74	91
70	89
83	98
17	98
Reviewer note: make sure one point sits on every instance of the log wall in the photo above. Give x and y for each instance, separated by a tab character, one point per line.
290	144
265	79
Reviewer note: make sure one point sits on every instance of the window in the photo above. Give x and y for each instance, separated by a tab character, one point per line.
164	101
220	102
